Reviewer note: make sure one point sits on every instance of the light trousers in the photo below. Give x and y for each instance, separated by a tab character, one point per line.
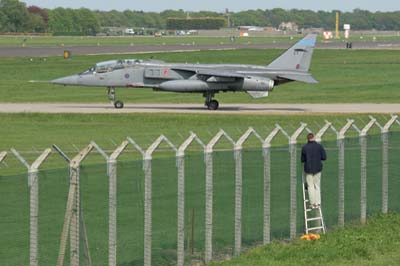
314	188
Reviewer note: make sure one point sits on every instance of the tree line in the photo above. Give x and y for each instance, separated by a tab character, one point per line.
16	16
195	23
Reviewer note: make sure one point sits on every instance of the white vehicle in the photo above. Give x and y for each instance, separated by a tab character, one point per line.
129	31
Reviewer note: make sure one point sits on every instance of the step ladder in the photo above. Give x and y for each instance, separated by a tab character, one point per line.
318	220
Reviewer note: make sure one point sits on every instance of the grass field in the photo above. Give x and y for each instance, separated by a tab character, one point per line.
376	243
150	40
35	132
133	40
345	76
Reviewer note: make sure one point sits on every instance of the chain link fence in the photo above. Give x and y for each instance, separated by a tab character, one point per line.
188	204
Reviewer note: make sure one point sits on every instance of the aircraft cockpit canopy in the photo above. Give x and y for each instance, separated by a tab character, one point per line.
109	66
112	65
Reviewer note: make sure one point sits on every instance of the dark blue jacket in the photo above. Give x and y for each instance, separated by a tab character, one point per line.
312	155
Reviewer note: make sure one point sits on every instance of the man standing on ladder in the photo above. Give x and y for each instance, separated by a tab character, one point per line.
312	155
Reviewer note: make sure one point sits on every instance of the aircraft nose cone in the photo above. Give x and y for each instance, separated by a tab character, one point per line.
69	80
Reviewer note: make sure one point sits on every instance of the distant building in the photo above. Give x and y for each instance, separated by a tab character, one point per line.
270	29
291	26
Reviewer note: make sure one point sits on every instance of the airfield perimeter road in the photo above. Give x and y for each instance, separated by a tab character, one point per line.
104	108
7	51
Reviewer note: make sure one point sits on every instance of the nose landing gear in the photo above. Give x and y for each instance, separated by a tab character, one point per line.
111	97
210	103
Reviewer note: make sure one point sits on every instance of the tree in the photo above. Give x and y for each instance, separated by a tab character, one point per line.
61	20
14	16
251	18
86	21
39	19
306	18
173	14
73	22
278	15
195	23
3	21
36	23
41	12
111	18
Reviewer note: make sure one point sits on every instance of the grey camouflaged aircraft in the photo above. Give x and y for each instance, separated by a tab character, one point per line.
208	79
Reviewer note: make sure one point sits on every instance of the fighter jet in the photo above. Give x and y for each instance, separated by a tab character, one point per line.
207	79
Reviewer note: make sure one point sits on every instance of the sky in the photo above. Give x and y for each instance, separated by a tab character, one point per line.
220	5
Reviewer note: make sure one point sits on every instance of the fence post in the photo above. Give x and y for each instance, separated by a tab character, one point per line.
323	130
267	185
209	204
341	174
180	159
75	218
209	193
385	162
293	180
238	148
143	153
33	183
3	155
148	196
238	199
364	153
112	199
72	214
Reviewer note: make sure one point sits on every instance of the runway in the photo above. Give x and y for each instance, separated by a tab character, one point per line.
239	108
33	51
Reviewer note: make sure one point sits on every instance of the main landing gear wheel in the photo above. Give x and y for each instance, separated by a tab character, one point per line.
213	105
112	98
119	105
210	103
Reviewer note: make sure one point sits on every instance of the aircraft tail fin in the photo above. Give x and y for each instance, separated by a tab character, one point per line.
298	57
